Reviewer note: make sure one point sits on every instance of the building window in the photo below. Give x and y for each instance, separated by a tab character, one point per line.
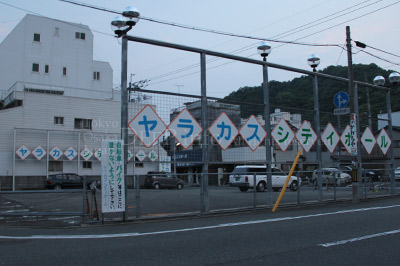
58	120
80	35
139	165
35	67
57	32
55	166
87	165
81	123
96	75
36	37
64	71
46	69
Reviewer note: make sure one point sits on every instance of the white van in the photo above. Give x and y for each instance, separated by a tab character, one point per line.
243	178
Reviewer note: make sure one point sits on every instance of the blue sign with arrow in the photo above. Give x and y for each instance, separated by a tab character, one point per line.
341	99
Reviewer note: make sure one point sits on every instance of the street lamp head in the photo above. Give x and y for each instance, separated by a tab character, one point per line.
313	61
394	78
264	49
132	15
118	25
379	81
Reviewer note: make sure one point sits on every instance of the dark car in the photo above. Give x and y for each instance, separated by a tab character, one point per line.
159	180
68	180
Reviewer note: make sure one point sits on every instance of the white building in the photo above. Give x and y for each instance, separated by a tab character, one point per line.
53	94
382	120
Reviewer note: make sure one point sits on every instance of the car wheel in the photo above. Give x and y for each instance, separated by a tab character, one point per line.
157	186
57	187
293	186
261	186
244	189
179	186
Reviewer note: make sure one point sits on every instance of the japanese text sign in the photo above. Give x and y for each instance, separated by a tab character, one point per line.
70	153
223	131
306	136
253	133
39	152
282	134
330	137
368	140
56	153
185	128
384	141
23	152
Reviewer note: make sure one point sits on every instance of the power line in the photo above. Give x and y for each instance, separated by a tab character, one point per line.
363	45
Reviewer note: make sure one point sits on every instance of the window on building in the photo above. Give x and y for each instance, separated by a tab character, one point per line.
139	165
35	67
87	165
57	32
55	166
64	71
81	123
46	69
58	120
36	37
96	75
80	35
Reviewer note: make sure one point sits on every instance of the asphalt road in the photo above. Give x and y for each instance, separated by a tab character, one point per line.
367	233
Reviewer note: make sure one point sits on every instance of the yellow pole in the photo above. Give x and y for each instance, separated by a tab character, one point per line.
287	181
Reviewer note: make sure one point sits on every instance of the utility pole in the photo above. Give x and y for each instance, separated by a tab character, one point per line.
353	116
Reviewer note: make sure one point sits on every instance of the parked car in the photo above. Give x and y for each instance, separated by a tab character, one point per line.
159	180
69	180
243	178
368	174
329	175
397	174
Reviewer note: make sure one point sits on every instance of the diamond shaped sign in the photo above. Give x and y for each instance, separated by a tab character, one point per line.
346	139
86	154
185	128
130	155
39	152
384	141
141	155
330	138
253	133
97	154
147	126
223	131
70	153
152	155
368	140
23	152
282	134
56	153
306	136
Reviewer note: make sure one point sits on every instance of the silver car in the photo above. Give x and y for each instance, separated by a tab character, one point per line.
329	175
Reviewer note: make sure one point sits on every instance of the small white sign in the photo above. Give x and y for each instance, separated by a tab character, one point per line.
345	138
185	128
141	155
306	136
282	134
353	132
152	155
253	133
39	152
86	153
384	141
330	138
368	140
147	126
70	153
165	165
56	153
223	131
23	152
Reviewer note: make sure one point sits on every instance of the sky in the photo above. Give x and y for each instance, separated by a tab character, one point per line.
373	22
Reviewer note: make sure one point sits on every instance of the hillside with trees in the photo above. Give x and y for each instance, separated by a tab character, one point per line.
296	96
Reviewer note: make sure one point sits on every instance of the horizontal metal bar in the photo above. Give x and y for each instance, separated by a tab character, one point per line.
43	191
41	214
244	59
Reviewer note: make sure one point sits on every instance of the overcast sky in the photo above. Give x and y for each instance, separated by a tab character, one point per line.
376	23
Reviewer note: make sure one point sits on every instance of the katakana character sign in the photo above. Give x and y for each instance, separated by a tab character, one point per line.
23	152
223	131
152	156
347	140
368	140
353	134
282	134
56	153
384	141
330	138
70	153
39	152
86	153
147	126
306	136
253	133
130	155
141	155
97	154
185	128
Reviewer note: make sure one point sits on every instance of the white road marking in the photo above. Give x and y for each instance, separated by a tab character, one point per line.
44	237
342	242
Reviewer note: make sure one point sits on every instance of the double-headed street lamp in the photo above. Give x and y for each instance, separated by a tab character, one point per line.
121	25
264	49
394	78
